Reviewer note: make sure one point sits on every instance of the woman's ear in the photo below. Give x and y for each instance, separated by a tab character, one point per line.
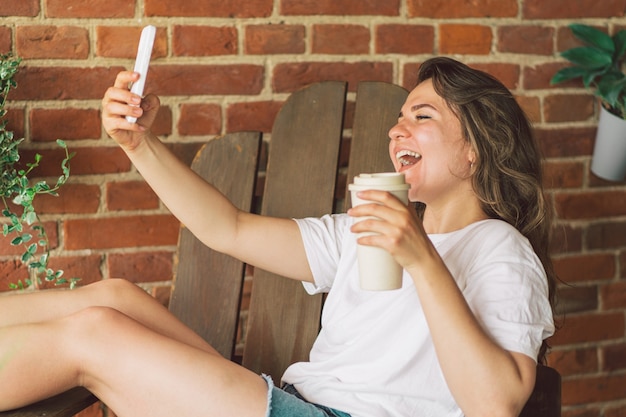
471	156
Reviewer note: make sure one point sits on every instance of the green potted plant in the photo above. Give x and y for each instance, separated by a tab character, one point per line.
598	63
17	191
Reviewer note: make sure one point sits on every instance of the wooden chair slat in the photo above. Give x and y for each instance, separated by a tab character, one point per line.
545	400
207	285
66	404
300	180
370	141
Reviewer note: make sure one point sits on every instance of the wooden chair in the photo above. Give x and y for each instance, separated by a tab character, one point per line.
300	180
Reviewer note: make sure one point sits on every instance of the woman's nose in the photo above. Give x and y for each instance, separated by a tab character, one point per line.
397	131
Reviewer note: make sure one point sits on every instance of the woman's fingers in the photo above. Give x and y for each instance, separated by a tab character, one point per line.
389	224
383	217
121	95
117	110
113	116
124	78
118	103
383	205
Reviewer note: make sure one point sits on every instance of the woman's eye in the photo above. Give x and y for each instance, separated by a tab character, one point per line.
422	116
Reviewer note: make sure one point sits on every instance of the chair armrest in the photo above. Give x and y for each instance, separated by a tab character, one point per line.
545	400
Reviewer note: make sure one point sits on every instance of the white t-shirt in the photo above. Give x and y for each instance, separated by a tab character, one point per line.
374	355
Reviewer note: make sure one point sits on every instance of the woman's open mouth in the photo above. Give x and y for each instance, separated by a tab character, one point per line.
407	158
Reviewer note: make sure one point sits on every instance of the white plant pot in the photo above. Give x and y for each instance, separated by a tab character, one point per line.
609	152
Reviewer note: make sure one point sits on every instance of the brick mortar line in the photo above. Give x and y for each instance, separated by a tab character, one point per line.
366	20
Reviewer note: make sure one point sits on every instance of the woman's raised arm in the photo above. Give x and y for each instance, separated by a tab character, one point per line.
270	243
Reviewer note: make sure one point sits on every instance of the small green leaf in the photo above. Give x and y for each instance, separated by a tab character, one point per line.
30	218
567	73
26	256
590	77
15	221
32	249
610	88
588	57
593	36
619	39
42	187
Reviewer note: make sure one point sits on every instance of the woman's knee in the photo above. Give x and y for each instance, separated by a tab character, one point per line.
94	319
115	293
112	286
87	330
87	336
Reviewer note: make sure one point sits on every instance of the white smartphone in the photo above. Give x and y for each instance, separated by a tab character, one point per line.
144	52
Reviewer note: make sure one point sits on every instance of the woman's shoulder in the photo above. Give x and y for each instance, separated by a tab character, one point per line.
494	227
498	240
491	249
493	236
481	230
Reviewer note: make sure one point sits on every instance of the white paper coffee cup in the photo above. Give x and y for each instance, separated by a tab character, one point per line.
377	269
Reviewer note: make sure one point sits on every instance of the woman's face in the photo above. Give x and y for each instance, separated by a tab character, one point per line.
428	147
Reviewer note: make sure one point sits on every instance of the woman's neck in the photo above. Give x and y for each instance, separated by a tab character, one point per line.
452	216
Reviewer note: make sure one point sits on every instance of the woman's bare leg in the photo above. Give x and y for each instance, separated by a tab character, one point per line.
133	369
34	363
119	294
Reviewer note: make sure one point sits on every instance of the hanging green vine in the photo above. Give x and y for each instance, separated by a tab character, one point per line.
16	187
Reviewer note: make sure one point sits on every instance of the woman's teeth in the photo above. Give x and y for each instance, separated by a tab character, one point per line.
407	157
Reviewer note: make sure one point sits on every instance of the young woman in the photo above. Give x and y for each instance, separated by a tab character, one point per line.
461	337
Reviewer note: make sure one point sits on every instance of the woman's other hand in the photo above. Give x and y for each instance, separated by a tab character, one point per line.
119	102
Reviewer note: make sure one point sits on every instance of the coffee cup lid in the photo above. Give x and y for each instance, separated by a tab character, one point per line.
380	178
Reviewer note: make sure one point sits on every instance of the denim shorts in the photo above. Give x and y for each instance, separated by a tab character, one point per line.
287	402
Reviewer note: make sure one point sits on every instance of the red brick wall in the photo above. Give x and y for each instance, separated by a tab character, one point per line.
246	56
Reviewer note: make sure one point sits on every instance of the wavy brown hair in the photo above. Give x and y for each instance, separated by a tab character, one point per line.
507	175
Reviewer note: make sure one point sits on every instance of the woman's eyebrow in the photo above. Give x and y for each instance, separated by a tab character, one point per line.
417	107
421	106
